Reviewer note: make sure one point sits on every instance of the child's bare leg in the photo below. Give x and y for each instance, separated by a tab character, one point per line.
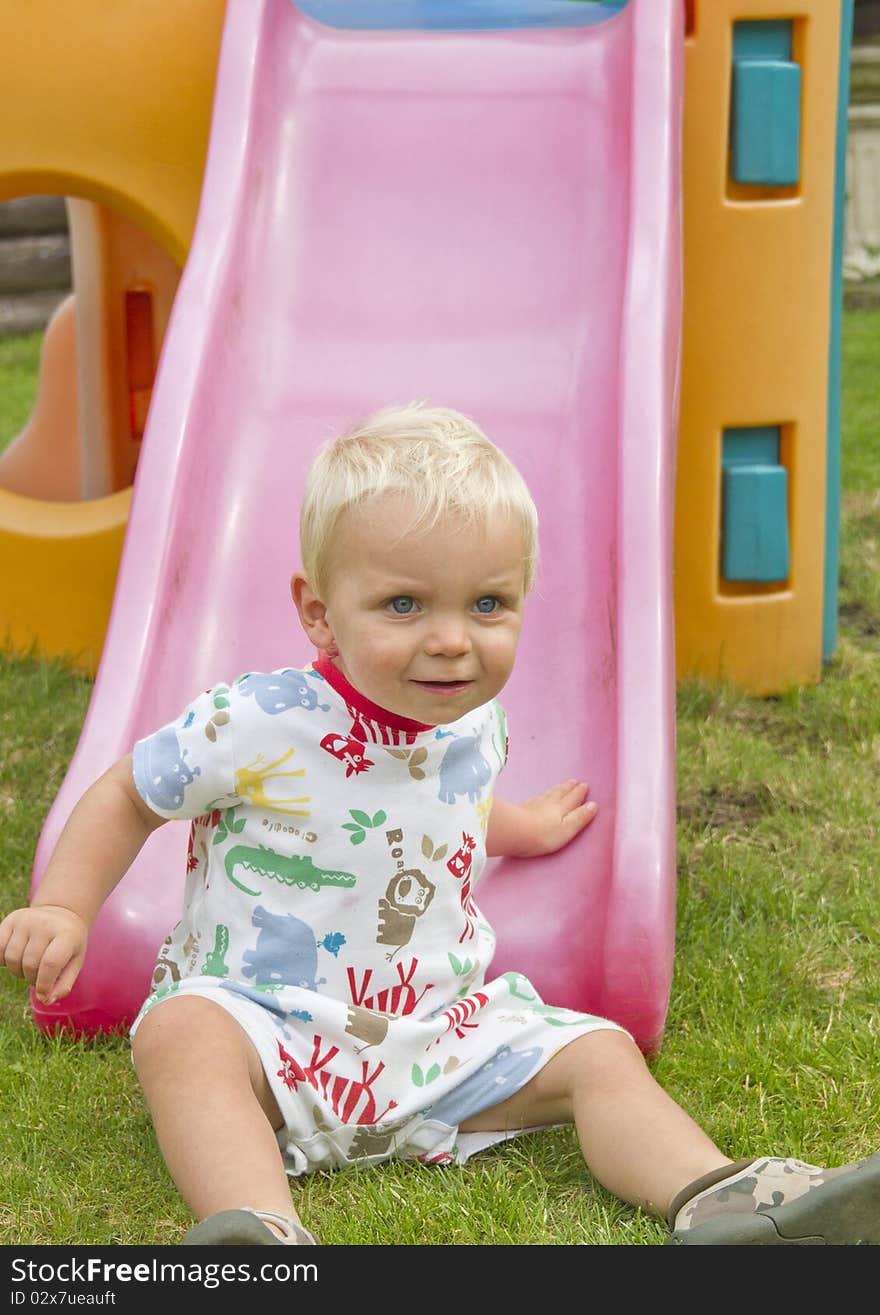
212	1108
634	1138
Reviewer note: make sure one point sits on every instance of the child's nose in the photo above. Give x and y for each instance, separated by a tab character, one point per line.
448	637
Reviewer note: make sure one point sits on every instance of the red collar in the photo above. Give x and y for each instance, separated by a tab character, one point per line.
334	677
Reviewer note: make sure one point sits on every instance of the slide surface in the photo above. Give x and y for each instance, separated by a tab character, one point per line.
482	219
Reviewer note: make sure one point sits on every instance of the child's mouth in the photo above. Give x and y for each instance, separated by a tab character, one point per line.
442	686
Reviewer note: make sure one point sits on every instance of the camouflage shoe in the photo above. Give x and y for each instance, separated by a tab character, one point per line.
247	1227
774	1202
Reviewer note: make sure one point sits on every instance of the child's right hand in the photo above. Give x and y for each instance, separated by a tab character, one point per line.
45	945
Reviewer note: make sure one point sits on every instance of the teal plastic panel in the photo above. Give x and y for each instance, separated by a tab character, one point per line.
753	445
755	538
765	116
765	130
833	473
754	527
762	39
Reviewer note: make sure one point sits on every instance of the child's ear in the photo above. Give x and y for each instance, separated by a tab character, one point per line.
312	614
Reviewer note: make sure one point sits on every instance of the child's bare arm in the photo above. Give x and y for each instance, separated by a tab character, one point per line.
46	942
542	824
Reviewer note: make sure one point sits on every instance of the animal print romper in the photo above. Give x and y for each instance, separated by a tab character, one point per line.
329	907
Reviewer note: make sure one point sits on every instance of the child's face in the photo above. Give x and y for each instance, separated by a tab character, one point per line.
425	624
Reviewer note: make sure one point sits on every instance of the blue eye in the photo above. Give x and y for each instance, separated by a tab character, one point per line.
486	606
403	605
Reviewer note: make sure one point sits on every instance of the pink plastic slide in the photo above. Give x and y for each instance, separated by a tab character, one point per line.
488	220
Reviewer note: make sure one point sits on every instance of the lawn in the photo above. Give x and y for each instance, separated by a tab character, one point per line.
772	1033
19	363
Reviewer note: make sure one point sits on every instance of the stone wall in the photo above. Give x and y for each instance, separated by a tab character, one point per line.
35	269
861	256
866	18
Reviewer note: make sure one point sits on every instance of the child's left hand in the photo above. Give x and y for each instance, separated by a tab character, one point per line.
559	814
542	824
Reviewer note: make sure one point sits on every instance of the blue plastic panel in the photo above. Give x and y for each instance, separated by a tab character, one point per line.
458	15
754	527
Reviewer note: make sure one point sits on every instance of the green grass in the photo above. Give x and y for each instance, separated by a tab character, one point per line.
774	1021
19	363
859	598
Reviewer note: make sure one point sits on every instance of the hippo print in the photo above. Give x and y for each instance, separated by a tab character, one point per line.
163	771
463	769
500	1077
286	953
276	691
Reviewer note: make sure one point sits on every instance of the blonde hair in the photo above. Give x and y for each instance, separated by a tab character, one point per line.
436	456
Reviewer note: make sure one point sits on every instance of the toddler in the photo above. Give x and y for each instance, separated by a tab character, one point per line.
325	998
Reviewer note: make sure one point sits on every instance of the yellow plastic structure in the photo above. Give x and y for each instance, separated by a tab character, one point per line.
757	282
111	105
